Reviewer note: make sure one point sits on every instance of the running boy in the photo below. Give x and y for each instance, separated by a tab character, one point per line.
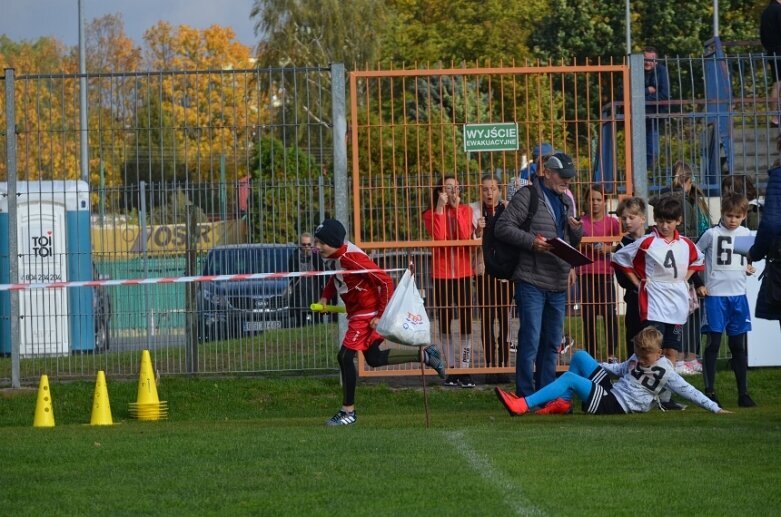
725	308
365	297
659	266
641	379
631	212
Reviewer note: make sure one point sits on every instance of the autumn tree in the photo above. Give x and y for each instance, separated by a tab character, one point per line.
194	127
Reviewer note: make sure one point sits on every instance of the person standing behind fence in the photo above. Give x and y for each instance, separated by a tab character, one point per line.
449	219
657	89
540	153
541	278
493	295
598	295
770	36
632	213
696	221
306	290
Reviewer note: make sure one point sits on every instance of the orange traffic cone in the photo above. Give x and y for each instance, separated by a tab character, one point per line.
148	406
101	407
44	414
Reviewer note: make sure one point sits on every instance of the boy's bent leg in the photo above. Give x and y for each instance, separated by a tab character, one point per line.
561	388
530	301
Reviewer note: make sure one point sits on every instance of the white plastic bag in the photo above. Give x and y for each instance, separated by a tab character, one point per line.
405	320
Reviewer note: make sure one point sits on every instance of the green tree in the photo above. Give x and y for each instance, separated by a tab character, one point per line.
283	178
429	31
318	32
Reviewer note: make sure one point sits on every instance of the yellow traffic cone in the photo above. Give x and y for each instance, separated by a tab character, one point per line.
101	407
44	414
148	406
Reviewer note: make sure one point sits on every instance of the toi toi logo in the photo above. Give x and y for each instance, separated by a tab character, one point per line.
42	245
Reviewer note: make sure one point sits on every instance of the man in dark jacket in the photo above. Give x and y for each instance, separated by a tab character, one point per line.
306	290
767	239
657	89
541	278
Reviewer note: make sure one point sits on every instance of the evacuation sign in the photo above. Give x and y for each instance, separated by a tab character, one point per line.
501	136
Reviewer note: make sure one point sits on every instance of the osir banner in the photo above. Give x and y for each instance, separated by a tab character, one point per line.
164	239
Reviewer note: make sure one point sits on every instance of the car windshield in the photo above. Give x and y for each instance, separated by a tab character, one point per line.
239	261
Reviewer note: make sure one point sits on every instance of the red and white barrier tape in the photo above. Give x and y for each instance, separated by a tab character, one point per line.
187	279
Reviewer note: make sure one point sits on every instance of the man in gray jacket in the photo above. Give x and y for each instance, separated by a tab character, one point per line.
541	278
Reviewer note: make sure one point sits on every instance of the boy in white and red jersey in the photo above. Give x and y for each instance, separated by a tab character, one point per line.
659	265
725	308
365	297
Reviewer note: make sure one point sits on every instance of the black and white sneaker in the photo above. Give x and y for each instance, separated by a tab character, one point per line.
342	418
465	381
451	381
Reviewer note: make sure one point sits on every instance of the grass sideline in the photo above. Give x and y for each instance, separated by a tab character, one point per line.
258	446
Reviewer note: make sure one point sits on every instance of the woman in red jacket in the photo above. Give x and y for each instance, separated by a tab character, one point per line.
448	219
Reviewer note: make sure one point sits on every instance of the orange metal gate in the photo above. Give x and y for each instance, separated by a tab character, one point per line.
407	131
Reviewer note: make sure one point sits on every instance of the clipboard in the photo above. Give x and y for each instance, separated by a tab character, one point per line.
564	251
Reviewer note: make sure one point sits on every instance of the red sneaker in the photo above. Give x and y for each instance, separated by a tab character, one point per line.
557	406
514	404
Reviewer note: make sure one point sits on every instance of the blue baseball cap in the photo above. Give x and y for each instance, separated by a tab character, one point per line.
542	149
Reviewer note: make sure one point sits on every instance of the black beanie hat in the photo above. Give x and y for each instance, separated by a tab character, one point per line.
331	232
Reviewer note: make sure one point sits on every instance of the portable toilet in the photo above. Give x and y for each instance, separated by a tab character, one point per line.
53	235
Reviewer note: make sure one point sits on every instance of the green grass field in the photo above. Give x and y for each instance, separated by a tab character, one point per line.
257	446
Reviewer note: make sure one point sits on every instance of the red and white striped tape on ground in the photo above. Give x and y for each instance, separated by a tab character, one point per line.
187	279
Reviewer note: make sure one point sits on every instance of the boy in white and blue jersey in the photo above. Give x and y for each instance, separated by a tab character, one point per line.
725	308
641	381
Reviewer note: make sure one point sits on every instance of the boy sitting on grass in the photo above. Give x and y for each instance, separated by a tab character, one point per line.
641	380
365	297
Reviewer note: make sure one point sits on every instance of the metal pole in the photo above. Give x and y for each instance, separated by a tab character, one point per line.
83	137
150	331
628	21
223	190
191	355
13	242
637	87
715	18
339	117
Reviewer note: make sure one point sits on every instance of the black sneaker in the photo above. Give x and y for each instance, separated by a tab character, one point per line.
434	359
342	418
712	395
746	401
451	381
671	405
465	381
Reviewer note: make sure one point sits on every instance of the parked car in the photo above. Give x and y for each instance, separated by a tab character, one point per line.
232	309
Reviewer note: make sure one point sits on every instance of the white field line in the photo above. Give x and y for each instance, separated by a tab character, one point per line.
511	493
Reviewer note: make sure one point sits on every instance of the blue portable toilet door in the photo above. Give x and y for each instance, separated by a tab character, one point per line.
44	324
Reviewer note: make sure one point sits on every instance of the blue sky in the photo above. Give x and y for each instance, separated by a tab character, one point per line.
31	19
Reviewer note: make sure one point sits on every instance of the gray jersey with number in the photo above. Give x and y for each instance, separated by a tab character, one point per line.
638	387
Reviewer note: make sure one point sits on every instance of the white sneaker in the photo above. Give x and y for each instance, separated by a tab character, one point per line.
682	368
695	365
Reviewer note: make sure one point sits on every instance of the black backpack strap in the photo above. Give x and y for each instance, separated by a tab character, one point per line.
534	203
